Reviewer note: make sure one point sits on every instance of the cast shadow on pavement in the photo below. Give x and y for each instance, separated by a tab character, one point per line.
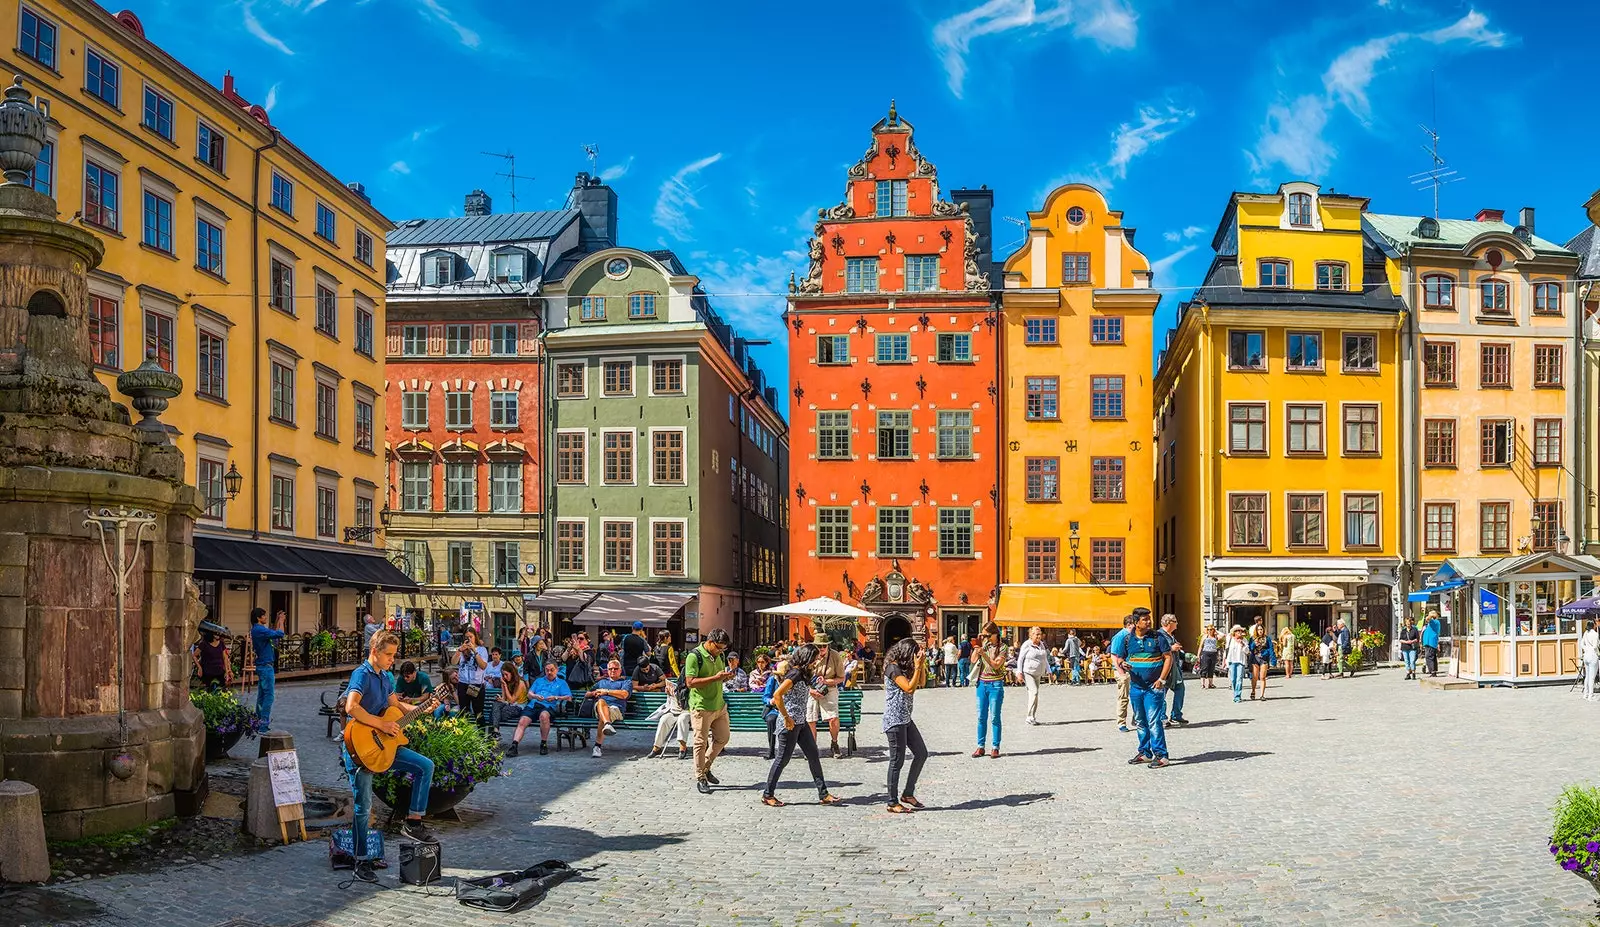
1217	723
1218	755
1015	800
1080	721
1049	751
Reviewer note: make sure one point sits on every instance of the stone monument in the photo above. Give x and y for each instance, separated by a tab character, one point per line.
96	527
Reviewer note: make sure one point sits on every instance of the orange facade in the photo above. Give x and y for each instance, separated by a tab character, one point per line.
893	352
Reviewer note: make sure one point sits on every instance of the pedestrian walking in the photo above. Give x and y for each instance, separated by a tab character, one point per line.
964	663
1286	650
899	689
1033	663
263	640
1144	655
1409	638
952	662
1238	657
1210	649
705	671
1430	642
1589	648
790	698
1175	681
1072	656
367	630
1328	652
1341	635
1261	660
1124	709
828	676
991	673
211	661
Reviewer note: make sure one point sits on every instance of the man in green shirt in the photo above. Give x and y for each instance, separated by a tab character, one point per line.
705	670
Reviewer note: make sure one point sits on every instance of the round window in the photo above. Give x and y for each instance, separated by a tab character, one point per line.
617	268
1076	215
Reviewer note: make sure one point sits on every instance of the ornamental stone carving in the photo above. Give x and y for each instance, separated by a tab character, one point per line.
946	209
841	211
812	284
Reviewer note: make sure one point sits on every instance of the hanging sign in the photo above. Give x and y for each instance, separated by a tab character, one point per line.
1488	603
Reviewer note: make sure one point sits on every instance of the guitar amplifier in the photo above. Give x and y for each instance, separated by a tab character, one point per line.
419	863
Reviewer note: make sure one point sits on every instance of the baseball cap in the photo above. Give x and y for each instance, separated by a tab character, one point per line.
638	626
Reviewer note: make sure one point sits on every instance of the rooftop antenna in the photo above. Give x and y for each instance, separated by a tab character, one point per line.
510	172
592	152
1441	173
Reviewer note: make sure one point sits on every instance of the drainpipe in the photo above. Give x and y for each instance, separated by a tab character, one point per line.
1411	464
256	348
1002	531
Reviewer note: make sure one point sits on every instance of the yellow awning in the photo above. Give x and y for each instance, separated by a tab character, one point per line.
1081	606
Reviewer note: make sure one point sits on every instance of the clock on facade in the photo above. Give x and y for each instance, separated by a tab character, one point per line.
617	268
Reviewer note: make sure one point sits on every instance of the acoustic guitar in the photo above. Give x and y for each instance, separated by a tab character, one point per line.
372	748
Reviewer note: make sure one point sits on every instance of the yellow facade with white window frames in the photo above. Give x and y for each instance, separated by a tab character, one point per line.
177	177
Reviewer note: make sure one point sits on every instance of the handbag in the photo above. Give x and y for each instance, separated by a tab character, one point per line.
341	848
420	863
506	891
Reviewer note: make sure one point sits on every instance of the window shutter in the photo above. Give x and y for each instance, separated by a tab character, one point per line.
435	339
394	340
430	274
528	338
480	338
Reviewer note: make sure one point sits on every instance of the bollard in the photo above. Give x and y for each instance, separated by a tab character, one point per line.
261	815
23	857
275	740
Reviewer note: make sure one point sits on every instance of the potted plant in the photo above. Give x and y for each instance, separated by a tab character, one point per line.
1305	644
322	643
1370	643
462	758
1575	833
415	638
226	720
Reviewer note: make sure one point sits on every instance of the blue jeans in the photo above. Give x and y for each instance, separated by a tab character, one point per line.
1150	707
1237	673
963	667
405	761
1410	657
1076	666
1175	682
266	684
991	695
951	676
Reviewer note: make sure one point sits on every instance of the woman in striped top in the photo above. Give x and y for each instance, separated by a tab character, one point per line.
991	657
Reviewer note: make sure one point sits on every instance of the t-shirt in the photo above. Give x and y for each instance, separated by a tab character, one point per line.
416	688
375	688
896	701
633	647
1430	633
211	659
950	654
799	694
1145	656
647	674
699	664
261	638
1408	638
966	650
491	673
623	685
544	689
470	673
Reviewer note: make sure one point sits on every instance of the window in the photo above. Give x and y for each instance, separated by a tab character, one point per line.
505	486
642	306
327	310
1438	292
327	511
1105	397
592	309
507	267
833	531
282	193
100	195
1274	274
1305	351
955	532
210	146
459	555
327	223
1361	520
283	503
414	340
894	349
363	247
891	199
458	340
667	548
363	425
833	435
1042	556
1547	298
894	435
1494	366
955	435
617	546
1439	527
1247	520
104	335
833	349
327	410
1305	429
363	330
1043	401
213	495
282	393
1300	209
954	348
666	457
419	561
1360	353
1305	520
1105	560
1498	442
1074	268
1547	527
158	338
1360	429
894	531
572	547
210	354
38	39
861	275
414	410
922	273
1247	350
507	563
416	486
458	409
461	487
1494	526
1105	329
616	378
208	247
666	376
101	77
1043	478
364	512
1106	479
571	381
43	174
503	409
1548	361
1439	442
618	447
572	451
1039	331
1438	363
1547	442
1330	276
281	295
503	339
1247	428
1494	297
158	113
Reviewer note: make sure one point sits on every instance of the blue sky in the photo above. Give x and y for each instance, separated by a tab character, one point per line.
725	126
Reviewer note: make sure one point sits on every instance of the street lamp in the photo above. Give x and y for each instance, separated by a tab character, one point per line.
232	482
1072	541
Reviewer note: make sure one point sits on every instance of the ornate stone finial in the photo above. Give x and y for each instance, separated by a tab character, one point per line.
21	134
150	387
894	118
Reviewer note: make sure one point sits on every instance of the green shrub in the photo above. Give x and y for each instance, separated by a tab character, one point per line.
322	642
461	755
1575	834
223	712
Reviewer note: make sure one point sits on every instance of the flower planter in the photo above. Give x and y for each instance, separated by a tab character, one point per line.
218	744
1305	665
439	800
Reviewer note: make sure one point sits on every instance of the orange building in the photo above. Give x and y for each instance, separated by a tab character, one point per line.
893	354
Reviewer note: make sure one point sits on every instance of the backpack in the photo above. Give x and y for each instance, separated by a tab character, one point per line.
579	673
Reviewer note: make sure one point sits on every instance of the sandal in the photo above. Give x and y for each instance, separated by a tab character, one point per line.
829	800
899	809
910	801
771	801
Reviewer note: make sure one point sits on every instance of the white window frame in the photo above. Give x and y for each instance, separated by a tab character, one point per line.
683	373
651	450
634	434
587	553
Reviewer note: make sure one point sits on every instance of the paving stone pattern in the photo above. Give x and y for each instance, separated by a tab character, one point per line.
1354	801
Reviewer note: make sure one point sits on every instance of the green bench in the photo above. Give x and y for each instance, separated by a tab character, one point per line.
746	715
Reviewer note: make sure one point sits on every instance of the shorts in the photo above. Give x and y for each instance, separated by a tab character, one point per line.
533	710
825	708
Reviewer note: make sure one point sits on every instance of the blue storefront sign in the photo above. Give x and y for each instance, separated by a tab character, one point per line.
1488	604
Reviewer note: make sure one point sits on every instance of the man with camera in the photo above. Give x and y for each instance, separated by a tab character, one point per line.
830	675
263	640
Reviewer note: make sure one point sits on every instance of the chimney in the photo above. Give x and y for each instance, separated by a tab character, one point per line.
980	205
1525	218
597	204
1490	215
478	204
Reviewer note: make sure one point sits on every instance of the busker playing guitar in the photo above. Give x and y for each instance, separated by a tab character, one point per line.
371	694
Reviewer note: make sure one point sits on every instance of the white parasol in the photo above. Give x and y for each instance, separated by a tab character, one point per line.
820	607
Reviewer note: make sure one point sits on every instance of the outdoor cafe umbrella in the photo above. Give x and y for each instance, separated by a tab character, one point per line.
1581	606
820	607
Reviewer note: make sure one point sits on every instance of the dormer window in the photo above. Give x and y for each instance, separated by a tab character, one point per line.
508	266
1273	273
438	268
891	198
1300	210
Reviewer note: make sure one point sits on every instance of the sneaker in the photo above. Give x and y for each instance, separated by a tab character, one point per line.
418	831
1141	758
609	730
512	750
1237	699
1158	762
683	752
654	752
977	753
836	753
544	749
596	751
712	779
702	786
364	872
994	754
1124	728
1181	720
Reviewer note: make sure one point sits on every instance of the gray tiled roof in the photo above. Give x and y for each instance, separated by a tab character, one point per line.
491	229
1453	233
1587	244
1222	288
473	240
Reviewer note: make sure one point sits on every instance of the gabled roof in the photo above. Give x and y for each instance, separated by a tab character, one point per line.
1401	231
480	230
1223	288
1587	244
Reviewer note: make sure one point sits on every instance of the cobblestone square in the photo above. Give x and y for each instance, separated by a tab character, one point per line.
1352	801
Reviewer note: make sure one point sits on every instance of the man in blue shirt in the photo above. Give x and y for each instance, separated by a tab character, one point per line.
1125	712
1145	657
1342	640
262	641
371	694
546	697
610	694
964	662
1430	643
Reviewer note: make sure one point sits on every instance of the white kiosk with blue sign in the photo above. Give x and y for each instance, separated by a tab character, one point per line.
1514	620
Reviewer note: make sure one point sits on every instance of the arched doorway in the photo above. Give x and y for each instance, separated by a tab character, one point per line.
895	628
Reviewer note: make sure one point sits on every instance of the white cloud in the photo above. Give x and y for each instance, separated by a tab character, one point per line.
1189	231
437	11
1131	141
271	98
314	4
676	199
616	170
1347	78
254	27
1472	28
750	291
400	167
1161	266
1112	23
1292	137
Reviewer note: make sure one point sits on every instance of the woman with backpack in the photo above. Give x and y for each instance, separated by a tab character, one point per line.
790	698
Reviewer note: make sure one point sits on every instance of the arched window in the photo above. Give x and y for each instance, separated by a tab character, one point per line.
1438	291
1547	298
1300	209
1495	297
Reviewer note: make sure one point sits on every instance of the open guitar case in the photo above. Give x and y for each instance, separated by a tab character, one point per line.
505	892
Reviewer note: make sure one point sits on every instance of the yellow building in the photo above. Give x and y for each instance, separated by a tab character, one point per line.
1279	448
253	273
1078	325
1586	244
